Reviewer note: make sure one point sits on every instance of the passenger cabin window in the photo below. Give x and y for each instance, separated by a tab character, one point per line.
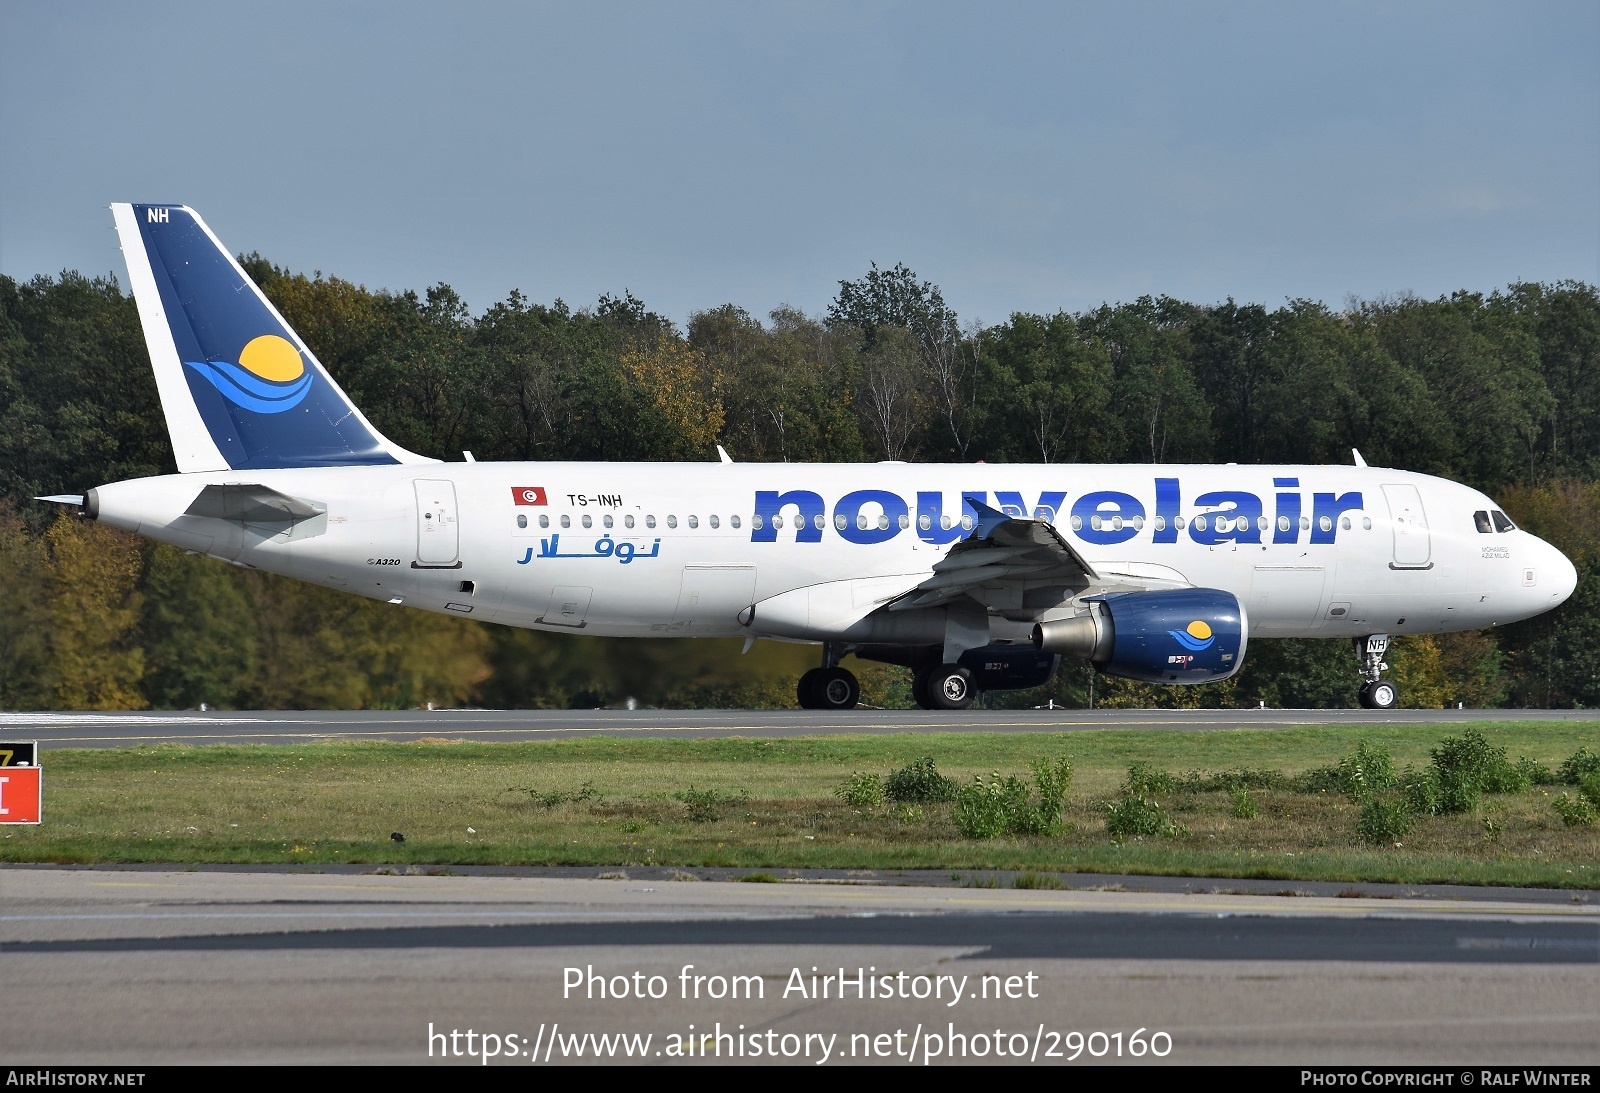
1481	519
544	521
694	521
925	522
733	521
522	521
627	521
672	521
757	520
606	520
817	521
566	521
714	521
1502	522
649	521
588	521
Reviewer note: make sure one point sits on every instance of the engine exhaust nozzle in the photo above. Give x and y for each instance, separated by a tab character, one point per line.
1086	637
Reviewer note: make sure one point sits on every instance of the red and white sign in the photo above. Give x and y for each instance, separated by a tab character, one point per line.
21	795
528	495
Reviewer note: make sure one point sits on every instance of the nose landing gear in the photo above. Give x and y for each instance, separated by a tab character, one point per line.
1376	693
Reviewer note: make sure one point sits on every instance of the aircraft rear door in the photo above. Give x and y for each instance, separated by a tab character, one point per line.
438	534
1413	546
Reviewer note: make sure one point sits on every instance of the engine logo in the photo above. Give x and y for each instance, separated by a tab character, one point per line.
1196	637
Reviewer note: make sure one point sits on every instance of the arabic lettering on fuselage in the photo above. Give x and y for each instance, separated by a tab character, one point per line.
1100	517
623	550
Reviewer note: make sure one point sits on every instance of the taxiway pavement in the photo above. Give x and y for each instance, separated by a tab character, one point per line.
102	730
123	967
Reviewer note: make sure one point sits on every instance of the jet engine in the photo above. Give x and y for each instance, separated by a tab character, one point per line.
1187	635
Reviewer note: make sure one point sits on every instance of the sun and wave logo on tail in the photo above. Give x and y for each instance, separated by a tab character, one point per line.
269	378
1196	637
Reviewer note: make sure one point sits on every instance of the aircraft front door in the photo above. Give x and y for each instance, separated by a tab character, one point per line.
1413	546
438	534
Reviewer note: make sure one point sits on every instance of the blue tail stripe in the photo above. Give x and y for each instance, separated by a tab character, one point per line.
244	389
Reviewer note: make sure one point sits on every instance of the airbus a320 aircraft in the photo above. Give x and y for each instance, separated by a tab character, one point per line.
977	576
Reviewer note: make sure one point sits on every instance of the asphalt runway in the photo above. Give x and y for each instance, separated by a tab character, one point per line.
130	967
100	730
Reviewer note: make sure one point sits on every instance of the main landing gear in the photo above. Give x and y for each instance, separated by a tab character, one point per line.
1376	693
943	687
829	687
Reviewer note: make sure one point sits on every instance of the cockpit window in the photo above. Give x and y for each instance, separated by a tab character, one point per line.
1481	518
1502	522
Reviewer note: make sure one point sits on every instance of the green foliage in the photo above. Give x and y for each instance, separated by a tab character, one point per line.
1589	786
1147	780
1383	820
861	790
1579	765
1319	780
1576	810
1366	771
554	797
1133	815
1468	766
1036	881
1244	806
706	806
919	782
986	809
1536	774
1419	790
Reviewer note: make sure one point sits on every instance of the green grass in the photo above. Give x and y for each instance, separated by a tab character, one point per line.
600	801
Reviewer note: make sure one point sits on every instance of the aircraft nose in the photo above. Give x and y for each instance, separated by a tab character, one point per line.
1562	575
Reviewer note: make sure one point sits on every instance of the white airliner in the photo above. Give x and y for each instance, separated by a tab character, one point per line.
978	576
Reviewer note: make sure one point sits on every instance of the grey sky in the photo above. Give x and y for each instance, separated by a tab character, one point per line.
1023	156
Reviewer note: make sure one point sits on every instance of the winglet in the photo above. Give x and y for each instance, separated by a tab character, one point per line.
1357	453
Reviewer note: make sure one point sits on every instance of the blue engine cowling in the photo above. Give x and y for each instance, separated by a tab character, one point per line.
1007	667
1189	635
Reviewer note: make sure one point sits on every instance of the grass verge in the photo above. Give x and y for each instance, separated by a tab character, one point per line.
765	804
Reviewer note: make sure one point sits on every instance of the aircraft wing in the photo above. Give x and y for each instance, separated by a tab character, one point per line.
1007	549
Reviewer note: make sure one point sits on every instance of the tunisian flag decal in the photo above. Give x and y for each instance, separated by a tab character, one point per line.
528	495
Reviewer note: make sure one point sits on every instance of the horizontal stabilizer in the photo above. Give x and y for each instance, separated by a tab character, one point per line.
252	504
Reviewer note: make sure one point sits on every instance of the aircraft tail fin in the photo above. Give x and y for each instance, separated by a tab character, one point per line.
240	390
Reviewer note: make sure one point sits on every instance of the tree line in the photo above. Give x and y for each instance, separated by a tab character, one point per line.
1501	391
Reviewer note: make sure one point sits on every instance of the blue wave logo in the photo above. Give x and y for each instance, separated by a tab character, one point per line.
270	377
1196	637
